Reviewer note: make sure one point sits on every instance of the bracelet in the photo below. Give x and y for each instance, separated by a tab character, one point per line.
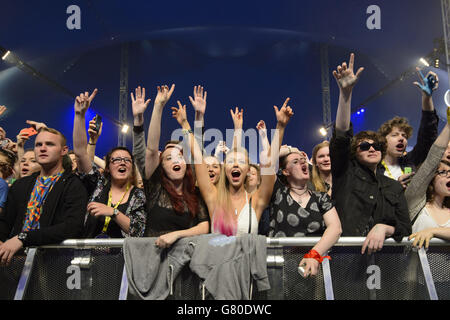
313	254
187	131
92	144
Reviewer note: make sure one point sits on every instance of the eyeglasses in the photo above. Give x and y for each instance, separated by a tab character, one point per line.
118	160
364	146
443	173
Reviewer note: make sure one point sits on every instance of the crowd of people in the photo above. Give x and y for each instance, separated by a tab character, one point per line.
363	185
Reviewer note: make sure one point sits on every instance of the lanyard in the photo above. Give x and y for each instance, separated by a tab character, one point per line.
389	171
108	218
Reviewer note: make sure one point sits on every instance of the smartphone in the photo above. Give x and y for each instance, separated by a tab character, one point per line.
30	131
408	170
98	122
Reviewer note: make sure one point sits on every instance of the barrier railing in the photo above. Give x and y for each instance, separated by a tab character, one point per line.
94	269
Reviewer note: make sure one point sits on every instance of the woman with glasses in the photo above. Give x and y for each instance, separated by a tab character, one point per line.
116	207
428	194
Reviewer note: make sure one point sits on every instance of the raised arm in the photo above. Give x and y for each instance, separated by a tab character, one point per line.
93	138
207	188
269	160
199	104
138	107
238	121
346	80
427	85
82	103
154	130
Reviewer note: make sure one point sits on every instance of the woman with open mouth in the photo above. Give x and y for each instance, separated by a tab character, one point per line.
28	164
428	194
174	206
116	207
232	210
296	211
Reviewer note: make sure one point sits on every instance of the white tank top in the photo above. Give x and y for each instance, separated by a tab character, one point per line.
243	220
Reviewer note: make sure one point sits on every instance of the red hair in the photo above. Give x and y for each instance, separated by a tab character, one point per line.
189	194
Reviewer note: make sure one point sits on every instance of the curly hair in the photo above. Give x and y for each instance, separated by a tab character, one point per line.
399	122
367	135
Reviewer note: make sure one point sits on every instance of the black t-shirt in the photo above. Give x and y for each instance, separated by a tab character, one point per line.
162	218
289	219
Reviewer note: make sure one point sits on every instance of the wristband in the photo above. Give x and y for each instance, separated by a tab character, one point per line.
186	131
313	254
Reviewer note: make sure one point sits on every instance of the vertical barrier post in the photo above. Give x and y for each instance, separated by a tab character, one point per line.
124	285
329	294
427	274
26	273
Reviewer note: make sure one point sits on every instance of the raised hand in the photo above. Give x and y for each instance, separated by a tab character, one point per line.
2	110
139	104
238	118
93	134
199	100
427	84
179	113
83	101
284	114
163	95
261	127
36	125
345	77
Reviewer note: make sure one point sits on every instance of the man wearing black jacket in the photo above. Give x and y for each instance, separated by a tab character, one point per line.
46	207
369	204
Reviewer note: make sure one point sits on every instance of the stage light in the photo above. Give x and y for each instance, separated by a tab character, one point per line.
424	62
358	113
125	128
323	131
6	55
362	110
436	63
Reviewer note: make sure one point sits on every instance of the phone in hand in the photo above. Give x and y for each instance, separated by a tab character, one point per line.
98	122
29	131
408	170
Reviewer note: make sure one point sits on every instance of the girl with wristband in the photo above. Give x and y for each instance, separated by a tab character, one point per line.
296	211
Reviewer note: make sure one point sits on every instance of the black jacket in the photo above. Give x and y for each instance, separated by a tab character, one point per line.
427	134
363	199
62	214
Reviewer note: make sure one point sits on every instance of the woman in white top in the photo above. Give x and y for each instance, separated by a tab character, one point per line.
230	207
428	194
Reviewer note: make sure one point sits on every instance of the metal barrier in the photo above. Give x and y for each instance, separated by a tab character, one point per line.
94	269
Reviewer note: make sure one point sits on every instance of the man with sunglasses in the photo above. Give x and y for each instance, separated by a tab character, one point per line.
369	204
46	207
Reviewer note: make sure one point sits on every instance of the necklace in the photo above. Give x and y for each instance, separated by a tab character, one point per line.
299	194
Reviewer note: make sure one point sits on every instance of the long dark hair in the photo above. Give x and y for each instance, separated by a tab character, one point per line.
189	194
107	173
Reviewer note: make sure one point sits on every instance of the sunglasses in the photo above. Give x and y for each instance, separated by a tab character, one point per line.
365	146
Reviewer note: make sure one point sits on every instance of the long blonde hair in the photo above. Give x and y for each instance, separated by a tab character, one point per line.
224	217
316	179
